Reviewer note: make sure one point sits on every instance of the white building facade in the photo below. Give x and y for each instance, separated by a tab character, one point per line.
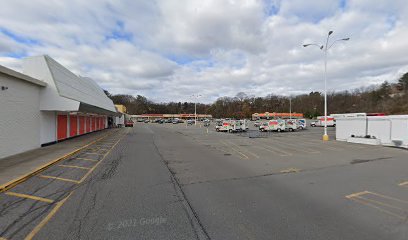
48	104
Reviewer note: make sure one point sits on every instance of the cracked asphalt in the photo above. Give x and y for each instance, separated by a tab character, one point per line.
180	182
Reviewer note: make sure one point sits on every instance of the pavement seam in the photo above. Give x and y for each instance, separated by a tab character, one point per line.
191	213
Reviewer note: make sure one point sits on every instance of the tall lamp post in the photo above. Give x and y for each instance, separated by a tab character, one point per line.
325	48
195	107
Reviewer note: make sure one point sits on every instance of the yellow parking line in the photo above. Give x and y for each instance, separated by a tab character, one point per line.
403	183
46	219
104	156
379	203
244	149
235	150
297	147
86	159
360	197
378	208
58	178
273	150
1	238
59	204
72	166
357	194
290	170
30	197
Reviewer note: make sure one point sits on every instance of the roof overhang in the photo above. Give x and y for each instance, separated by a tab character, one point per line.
12	73
86	108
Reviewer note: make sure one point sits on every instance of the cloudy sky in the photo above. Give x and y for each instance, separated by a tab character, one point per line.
168	50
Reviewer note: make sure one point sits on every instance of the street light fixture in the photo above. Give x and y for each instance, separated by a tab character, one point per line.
325	48
195	107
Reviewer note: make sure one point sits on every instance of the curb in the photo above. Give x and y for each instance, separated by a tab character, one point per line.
25	177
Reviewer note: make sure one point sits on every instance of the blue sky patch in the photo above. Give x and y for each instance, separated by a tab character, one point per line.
19	38
119	32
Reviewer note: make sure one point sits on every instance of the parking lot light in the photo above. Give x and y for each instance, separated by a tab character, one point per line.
325	48
195	107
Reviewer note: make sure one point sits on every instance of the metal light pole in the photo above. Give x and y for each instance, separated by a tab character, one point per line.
290	107
325	48
195	107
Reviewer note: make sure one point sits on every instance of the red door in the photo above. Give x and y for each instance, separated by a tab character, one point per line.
73	125
88	124
93	123
81	125
62	124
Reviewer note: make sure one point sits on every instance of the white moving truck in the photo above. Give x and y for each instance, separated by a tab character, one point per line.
301	123
291	125
228	126
319	122
273	125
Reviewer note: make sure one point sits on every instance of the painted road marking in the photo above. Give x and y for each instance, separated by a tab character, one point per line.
241	155
46	219
290	170
386	204
297	147
29	197
72	166
58	178
86	159
243	149
273	150
104	156
59	204
403	183
267	145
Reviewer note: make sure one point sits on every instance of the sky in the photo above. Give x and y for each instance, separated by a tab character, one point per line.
169	50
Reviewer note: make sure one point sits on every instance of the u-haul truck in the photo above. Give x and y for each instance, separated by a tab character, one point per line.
331	122
273	125
228	126
244	125
301	123
291	125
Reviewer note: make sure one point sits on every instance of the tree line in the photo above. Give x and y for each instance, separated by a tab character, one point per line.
389	98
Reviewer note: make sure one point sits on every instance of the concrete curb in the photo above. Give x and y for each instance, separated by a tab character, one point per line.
23	178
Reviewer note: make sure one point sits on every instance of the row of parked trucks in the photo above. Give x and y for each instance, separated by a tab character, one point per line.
281	125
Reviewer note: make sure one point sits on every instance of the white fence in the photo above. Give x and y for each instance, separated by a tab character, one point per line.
385	130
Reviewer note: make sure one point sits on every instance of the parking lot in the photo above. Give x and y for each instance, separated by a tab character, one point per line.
355	178
203	184
300	150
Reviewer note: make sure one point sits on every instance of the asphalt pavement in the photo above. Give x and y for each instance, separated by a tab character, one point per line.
184	182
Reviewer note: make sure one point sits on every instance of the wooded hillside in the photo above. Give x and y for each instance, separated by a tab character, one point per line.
387	98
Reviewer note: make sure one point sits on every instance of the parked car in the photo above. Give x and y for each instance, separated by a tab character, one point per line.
128	123
190	122
146	121
257	124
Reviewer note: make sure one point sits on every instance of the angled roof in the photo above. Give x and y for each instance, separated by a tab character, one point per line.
81	89
21	76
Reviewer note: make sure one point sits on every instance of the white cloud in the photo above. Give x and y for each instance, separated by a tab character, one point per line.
168	50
